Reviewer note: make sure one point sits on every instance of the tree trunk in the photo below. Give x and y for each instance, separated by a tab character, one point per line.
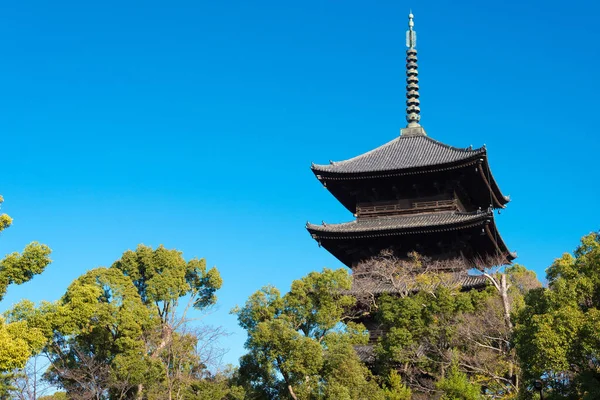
509	325
505	302
292	392
166	335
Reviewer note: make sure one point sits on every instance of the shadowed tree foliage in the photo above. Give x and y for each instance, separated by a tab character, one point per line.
557	336
438	324
423	334
220	386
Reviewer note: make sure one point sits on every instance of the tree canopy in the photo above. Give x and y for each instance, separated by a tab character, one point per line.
19	341
557	336
300	347
127	331
119	333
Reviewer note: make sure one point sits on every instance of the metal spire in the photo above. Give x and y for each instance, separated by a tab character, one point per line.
412	82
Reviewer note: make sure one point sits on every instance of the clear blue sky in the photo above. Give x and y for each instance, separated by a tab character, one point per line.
193	124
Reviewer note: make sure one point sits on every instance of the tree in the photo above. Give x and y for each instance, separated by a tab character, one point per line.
55	396
118	332
456	385
486	334
422	334
395	389
97	348
430	322
299	346
220	386
28	383
556	335
18	341
162	278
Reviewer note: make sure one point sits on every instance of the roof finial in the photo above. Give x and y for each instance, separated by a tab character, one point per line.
412	79
411	35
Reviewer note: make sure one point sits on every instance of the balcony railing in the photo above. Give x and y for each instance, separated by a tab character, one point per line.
372	210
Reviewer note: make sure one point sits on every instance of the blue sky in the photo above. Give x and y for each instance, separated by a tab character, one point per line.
193	124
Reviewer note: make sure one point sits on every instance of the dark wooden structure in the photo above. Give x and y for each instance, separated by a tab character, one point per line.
414	194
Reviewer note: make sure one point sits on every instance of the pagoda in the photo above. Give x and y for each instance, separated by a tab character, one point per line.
415	194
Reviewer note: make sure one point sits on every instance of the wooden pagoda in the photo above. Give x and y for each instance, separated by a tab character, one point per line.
414	194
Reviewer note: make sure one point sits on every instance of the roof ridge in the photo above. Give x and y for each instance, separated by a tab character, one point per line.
464	149
362	155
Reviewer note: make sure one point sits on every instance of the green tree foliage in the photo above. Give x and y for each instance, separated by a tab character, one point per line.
221	386
456	385
299	348
55	396
162	277
18	341
119	333
423	333
20	268
97	342
395	389
429	329
557	336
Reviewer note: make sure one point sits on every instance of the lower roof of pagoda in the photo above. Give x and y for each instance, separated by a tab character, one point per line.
365	353
462	281
392	225
351	242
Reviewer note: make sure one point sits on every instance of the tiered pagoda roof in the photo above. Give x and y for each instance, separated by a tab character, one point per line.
413	193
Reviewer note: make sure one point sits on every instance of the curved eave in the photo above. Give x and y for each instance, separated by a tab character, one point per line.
324	176
493	234
499	200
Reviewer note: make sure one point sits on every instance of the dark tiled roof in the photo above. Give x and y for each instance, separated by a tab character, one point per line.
458	280
404	152
407	222
365	353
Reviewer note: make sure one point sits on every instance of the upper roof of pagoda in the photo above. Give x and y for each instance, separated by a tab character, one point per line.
413	152
406	152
